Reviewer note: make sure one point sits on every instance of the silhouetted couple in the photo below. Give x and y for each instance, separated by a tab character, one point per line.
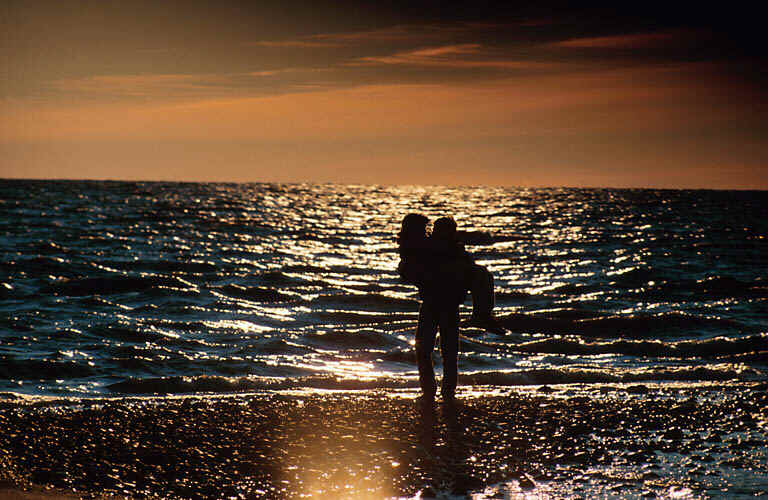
443	271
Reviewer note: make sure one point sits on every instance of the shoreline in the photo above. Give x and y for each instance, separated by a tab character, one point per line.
643	440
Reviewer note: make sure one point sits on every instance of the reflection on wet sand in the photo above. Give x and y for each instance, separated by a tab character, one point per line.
444	443
644	441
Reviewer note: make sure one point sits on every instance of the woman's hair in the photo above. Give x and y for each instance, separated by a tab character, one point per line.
414	227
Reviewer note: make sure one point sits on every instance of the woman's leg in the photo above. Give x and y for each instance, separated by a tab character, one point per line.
425	344
483	299
481	287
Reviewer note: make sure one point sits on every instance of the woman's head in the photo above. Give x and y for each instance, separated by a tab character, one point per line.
414	226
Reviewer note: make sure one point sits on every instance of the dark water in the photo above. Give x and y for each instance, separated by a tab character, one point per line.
127	288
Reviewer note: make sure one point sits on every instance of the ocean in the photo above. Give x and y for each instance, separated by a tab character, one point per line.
191	340
124	288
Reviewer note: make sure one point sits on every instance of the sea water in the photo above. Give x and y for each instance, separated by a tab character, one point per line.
124	288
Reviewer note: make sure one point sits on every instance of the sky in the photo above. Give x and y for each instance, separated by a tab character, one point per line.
386	92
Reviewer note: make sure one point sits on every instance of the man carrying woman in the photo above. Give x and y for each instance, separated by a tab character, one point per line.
443	271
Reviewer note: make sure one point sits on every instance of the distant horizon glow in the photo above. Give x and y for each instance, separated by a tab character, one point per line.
527	101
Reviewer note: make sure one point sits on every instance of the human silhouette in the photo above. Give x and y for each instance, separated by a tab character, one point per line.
443	272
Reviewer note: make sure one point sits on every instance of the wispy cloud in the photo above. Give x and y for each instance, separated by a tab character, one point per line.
194	86
391	36
460	56
399	33
429	56
308	43
146	86
631	41
138	85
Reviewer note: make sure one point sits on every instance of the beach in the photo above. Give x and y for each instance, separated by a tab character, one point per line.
564	441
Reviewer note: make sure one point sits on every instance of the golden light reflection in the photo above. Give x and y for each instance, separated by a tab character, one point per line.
357	370
241	325
350	457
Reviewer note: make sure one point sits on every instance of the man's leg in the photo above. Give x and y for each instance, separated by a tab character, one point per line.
449	349
425	344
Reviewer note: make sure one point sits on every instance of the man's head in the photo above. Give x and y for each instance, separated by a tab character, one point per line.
444	229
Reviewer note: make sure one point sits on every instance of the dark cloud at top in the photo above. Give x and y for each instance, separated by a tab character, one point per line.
47	43
197	23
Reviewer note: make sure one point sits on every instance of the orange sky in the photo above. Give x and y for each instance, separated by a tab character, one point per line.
217	92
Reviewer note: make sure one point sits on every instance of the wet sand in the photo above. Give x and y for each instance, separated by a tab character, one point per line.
563	441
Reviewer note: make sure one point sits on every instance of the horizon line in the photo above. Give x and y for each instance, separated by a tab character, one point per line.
335	183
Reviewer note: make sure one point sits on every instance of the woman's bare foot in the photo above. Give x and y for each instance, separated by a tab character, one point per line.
490	324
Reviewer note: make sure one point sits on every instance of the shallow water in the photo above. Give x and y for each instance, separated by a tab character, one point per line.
115	288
